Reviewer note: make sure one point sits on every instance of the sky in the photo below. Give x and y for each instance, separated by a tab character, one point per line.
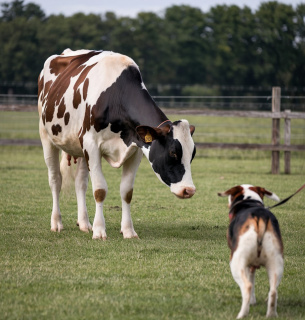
130	8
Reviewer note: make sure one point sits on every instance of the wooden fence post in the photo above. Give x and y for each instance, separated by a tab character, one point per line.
276	107
287	136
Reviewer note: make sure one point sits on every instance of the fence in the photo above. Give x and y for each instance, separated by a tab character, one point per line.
276	115
202	106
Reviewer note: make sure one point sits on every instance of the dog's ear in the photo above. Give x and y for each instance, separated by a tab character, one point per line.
231	192
264	192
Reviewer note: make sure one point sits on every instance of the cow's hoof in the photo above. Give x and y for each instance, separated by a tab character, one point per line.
99	234
129	234
85	226
104	238
58	227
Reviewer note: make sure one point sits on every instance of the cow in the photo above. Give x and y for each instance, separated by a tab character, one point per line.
254	238
94	104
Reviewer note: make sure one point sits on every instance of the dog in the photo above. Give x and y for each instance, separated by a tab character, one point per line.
255	240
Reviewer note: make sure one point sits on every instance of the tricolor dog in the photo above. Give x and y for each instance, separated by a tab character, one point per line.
255	240
93	105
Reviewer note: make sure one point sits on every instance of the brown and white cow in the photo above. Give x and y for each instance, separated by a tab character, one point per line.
255	240
94	104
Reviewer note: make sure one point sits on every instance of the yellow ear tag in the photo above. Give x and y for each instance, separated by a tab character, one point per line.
148	137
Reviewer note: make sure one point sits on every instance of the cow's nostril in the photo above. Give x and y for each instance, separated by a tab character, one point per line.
188	192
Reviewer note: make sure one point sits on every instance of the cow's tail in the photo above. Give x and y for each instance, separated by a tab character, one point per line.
67	173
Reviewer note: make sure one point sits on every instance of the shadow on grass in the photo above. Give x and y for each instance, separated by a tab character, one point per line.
181	231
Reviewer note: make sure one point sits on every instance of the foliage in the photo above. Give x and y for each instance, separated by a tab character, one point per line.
227	46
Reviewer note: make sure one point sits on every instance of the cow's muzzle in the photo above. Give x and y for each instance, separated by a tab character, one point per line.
185	193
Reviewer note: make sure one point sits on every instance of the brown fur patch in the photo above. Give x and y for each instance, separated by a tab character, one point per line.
233	192
99	195
47	87
85	88
61	109
129	196
59	64
77	99
87	158
56	129
86	125
64	68
82	76
67	118
40	85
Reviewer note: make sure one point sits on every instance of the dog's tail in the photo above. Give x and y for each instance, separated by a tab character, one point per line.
261	230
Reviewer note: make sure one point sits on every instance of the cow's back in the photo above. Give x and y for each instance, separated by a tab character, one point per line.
70	84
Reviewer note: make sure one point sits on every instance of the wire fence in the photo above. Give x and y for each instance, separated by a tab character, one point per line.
253	103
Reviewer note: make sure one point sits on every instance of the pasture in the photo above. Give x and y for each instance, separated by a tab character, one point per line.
179	269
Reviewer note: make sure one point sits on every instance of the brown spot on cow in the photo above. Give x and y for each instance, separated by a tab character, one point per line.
61	109
56	129
100	195
86	125
129	196
85	88
59	64
82	76
77	99
40	85
67	118
87	158
47	87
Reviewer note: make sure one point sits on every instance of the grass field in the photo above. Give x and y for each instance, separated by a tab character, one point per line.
179	269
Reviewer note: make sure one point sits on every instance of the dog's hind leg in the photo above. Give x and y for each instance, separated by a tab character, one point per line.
252	280
275	272
241	276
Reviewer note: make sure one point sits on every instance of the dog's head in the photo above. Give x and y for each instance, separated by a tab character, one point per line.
247	192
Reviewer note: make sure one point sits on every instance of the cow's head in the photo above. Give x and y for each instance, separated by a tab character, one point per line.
170	151
247	191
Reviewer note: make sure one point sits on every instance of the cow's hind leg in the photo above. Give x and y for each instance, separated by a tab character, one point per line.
130	168
51	157
81	184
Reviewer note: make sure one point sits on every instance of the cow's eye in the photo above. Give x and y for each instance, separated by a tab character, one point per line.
173	154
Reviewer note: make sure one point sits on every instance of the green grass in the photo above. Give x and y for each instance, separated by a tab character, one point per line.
177	270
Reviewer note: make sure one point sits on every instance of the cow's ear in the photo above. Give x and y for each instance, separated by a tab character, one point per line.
192	129
149	134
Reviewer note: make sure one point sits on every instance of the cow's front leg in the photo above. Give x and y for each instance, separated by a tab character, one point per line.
130	168
81	184
99	188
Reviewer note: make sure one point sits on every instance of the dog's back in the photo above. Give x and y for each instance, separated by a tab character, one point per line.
254	231
255	240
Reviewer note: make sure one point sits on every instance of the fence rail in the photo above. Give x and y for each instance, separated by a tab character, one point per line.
275	115
201	107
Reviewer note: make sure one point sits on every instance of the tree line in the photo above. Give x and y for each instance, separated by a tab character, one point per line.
181	51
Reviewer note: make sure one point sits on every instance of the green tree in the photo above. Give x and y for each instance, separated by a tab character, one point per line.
275	46
17	9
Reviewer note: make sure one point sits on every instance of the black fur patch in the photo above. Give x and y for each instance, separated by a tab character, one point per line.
246	209
166	156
